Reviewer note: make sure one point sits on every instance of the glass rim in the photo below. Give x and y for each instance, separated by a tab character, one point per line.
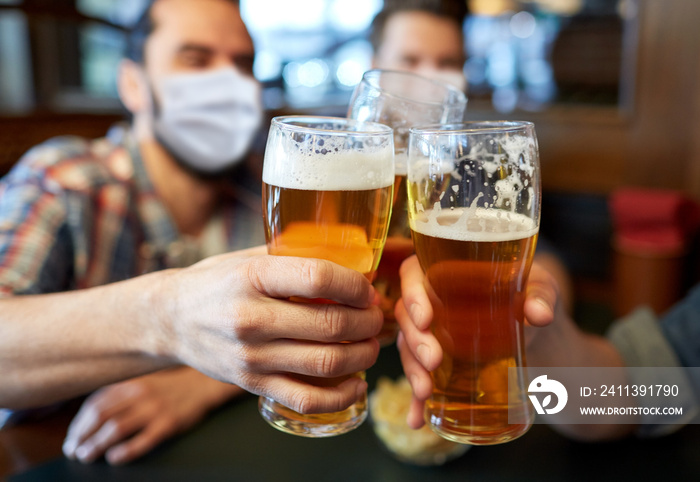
284	122
371	73
471	127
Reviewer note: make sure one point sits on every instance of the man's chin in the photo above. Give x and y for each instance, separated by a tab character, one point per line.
206	174
226	170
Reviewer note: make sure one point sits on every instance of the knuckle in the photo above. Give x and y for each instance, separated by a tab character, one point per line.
252	383
141	390
113	429
249	359
253	271
316	274
94	414
333	322
329	362
243	322
304	402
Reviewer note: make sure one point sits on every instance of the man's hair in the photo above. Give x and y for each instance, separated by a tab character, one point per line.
453	9
141	30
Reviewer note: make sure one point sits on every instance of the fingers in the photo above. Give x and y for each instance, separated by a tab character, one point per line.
414	295
415	418
308	399
114	431
284	277
542	297
322	322
420	381
95	411
419	349
145	441
422	344
313	359
416	374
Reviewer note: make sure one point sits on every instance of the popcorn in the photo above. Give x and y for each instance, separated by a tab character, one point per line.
389	404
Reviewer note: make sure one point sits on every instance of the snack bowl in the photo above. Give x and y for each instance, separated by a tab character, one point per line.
388	407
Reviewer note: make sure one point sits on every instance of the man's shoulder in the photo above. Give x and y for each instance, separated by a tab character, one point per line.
72	163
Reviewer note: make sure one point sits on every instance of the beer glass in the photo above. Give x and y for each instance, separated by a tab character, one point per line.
327	193
401	100
474	208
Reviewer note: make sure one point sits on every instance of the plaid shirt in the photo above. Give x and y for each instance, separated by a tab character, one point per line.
76	214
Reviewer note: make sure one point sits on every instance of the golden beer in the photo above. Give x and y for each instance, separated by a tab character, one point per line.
474	209
327	194
476	282
346	227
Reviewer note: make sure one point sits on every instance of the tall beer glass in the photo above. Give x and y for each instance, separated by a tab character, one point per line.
327	193
474	208
401	100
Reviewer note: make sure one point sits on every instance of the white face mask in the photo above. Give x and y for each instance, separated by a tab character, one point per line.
452	77
208	120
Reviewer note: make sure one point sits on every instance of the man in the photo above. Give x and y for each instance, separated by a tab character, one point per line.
554	340
80	221
424	37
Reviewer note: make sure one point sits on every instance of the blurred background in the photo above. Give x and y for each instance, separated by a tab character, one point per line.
62	55
610	84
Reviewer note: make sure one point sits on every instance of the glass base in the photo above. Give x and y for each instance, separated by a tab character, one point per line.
477	435
313	425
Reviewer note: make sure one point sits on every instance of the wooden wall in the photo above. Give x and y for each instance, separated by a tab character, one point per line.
18	134
652	139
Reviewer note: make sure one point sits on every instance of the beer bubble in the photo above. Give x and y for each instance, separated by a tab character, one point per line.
478	224
333	167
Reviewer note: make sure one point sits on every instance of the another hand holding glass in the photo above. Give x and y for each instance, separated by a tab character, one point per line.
474	208
327	193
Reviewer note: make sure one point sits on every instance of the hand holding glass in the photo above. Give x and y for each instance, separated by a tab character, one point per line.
327	192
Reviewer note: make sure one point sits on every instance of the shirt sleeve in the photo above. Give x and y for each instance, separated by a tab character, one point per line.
35	241
640	339
681	327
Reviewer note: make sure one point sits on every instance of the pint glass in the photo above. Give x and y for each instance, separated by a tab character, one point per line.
401	100
327	192
474	207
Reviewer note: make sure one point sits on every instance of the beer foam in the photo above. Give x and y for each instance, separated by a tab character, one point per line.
330	166
474	224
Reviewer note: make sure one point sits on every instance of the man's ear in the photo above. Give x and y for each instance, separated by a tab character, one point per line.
132	87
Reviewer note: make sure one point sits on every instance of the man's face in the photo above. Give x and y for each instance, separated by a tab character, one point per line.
196	36
416	41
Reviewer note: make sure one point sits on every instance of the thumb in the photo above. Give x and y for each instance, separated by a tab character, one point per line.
542	297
